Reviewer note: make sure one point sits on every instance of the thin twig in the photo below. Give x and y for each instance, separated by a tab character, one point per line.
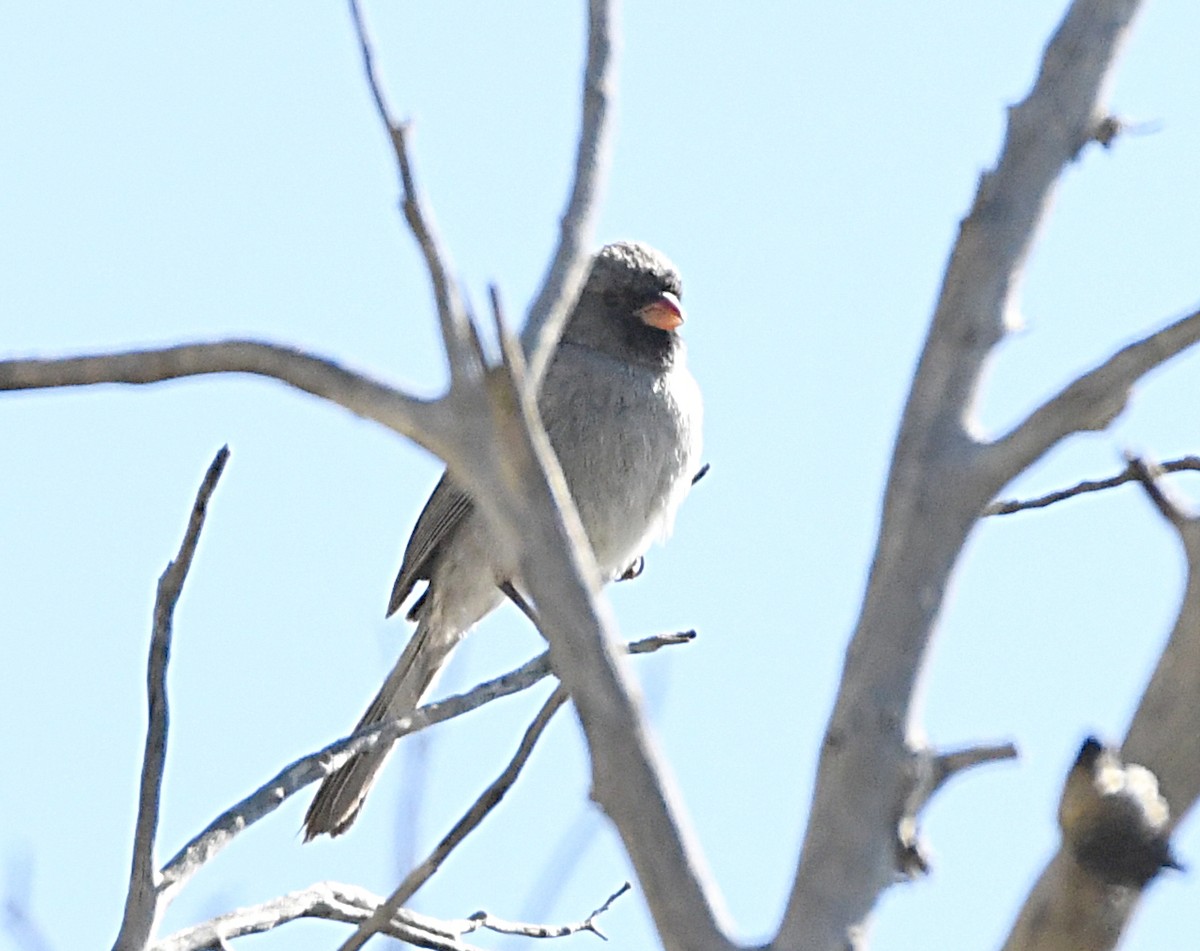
316	766
335	901
486	802
561	285
478	811
1128	474
451	313
498	318
329	901
483	919
142	905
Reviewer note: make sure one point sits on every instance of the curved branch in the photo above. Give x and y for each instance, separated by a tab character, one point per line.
1045	133
567	270
937	486
1091	401
335	901
629	780
417	419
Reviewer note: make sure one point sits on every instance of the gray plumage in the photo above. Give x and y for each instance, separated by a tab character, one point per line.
623	415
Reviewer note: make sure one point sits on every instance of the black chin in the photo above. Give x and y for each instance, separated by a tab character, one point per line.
649	345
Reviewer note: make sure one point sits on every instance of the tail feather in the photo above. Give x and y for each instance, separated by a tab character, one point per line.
340	797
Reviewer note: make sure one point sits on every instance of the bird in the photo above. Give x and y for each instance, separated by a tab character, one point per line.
623	414
1113	819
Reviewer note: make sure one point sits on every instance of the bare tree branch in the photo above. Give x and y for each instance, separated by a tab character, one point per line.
331	901
940	480
419	420
930	771
510	449
487	801
1128	474
1069	907
936	769
1092	401
316	766
567	270
479	810
627	776
335	901
949	765
445	292
482	919
142	904
452	427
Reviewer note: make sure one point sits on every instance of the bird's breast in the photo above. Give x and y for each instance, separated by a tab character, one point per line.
628	441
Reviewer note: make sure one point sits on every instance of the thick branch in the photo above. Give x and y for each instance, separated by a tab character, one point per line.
538	522
1045	132
1090	402
936	488
142	905
1168	713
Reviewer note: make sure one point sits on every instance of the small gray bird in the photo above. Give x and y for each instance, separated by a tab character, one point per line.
623	415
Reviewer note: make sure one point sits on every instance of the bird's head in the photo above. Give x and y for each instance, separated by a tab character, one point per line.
630	305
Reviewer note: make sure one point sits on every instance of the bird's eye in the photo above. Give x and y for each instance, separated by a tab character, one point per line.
611	298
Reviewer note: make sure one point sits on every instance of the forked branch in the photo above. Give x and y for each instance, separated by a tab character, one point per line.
1128	474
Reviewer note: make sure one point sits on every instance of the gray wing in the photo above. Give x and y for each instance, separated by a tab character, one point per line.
443	513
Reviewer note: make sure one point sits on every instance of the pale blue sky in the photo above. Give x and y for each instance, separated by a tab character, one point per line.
182	172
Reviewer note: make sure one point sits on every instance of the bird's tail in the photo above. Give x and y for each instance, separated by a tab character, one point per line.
341	795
